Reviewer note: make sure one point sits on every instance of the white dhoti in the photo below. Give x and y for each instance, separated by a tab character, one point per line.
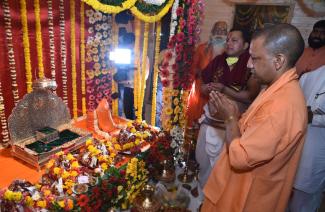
208	148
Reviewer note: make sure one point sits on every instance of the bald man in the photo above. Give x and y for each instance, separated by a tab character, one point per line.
255	171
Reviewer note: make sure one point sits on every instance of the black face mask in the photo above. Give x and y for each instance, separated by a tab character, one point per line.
315	42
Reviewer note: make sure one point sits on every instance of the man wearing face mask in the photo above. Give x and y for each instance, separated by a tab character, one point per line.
313	56
204	53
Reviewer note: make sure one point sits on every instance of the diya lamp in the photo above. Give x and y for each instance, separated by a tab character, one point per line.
167	172
146	201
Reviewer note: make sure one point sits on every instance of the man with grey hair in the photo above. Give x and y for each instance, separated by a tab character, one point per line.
255	171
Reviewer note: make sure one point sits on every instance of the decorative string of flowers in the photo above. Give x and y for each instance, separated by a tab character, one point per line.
111	6
173	22
4	128
39	44
155	75
51	35
73	59
28	67
136	82
63	53
114	84
11	53
82	58
98	66
152	11
144	70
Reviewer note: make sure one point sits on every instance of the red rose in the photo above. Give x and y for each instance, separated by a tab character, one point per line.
165	83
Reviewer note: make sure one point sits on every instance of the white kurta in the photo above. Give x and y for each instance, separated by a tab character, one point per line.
310	175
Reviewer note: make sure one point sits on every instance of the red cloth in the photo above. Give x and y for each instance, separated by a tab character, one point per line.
218	67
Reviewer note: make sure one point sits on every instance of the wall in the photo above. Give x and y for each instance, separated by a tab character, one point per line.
225	9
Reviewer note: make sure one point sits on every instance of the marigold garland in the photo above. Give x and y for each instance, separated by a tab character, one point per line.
155	75
82	58
28	67
144	69
63	53
51	35
137	82
73	59
11	53
114	84
4	128
97	5
150	18
39	44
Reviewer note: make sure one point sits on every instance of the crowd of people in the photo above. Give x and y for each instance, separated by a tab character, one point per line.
260	105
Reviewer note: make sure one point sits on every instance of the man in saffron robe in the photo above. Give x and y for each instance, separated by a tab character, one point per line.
223	72
256	170
204	53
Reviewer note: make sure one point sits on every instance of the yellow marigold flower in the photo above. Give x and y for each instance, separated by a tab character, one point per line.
137	141
57	170
169	111
70	156
90	147
7	195
29	201
133	130
65	174
61	204
41	203
75	164
176	101
50	164
117	147
112	155
88	142
175	118
37	185
129	124
74	173
114	139
104	166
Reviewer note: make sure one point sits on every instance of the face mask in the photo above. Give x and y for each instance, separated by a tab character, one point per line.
218	41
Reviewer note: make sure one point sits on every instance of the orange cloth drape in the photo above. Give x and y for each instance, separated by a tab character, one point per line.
196	101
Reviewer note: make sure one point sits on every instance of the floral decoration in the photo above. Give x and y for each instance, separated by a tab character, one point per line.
73	59
4	128
82	58
51	36
110	6
11	53
28	66
63	53
39	43
99	68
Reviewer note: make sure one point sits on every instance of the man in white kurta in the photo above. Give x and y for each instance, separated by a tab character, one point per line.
310	177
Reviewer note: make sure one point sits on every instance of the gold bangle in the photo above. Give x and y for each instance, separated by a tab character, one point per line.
229	119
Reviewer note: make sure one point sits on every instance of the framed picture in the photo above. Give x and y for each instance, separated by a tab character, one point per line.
255	16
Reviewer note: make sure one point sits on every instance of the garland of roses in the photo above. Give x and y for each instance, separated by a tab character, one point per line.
63	53
98	67
73	59
11	53
51	35
39	44
185	33
28	67
151	13
110	6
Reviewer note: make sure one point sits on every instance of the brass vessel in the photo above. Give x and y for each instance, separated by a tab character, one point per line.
146	200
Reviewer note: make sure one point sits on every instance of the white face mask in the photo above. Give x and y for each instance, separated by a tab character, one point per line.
218	40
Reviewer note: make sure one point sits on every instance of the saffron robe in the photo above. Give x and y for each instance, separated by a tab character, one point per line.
256	172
